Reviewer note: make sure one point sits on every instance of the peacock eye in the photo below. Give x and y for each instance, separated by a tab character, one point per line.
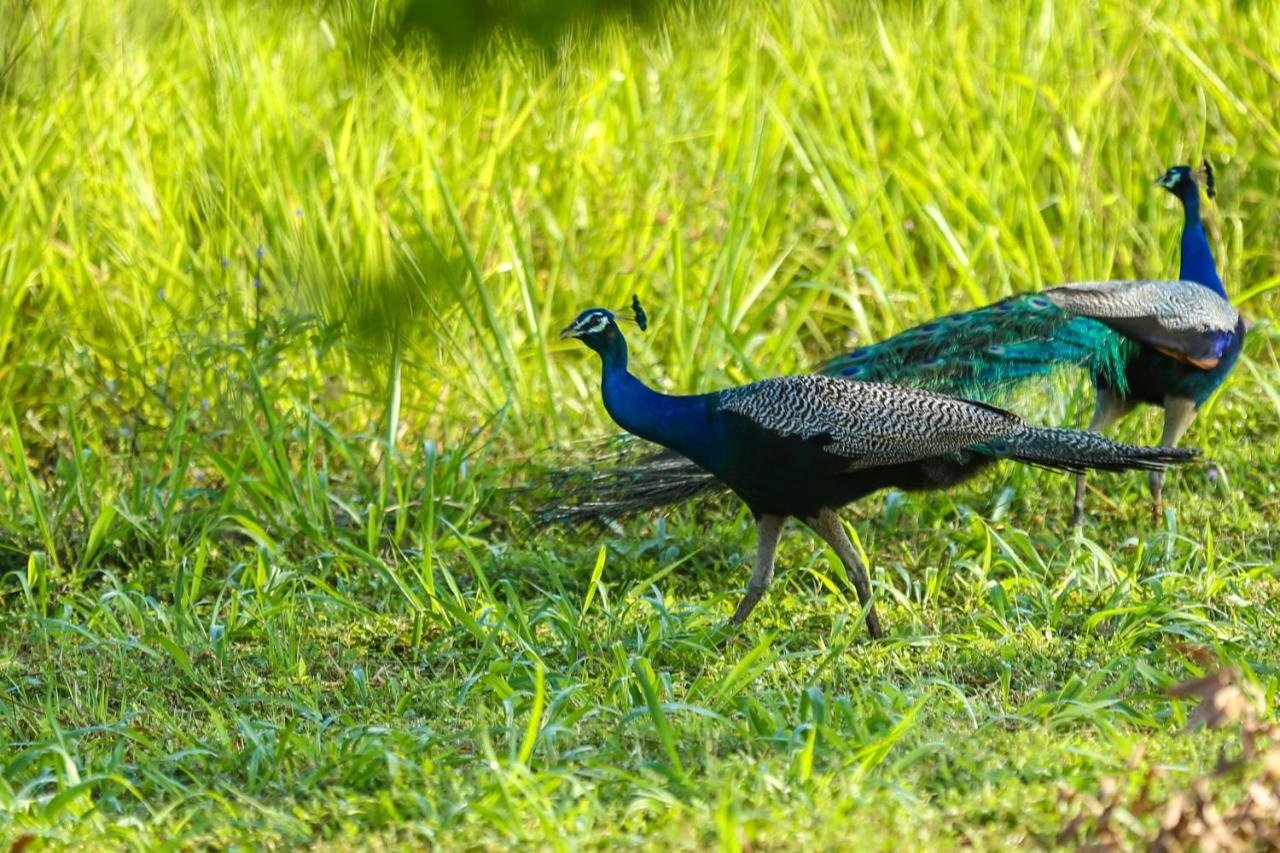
594	324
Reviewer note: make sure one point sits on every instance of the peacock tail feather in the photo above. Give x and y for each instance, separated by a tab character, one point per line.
632	478
986	353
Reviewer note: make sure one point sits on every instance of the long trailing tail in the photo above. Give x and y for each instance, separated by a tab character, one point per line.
1076	450
599	492
985	354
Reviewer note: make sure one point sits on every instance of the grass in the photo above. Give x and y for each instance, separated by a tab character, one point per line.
278	313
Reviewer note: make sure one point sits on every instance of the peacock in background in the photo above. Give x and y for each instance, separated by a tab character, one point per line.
1184	336
804	446
1166	343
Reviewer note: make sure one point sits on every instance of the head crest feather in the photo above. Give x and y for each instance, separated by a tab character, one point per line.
637	312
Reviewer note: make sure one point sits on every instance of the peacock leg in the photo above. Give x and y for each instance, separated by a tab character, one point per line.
768	530
1179	412
827	525
1108	409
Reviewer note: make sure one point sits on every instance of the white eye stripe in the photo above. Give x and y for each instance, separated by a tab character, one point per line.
598	322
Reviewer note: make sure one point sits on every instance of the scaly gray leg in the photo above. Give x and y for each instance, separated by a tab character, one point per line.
827	525
1179	412
768	530
1108	409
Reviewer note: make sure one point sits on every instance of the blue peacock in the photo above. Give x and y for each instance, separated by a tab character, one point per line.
1164	343
804	446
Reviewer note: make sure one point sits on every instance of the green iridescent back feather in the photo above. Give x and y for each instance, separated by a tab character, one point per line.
986	353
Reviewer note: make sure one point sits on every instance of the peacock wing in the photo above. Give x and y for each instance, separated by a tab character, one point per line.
867	423
1182	319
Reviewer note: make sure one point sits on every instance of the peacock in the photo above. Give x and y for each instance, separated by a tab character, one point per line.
804	446
1167	343
1183	337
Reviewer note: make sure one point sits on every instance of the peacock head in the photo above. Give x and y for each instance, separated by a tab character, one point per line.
1181	180
595	327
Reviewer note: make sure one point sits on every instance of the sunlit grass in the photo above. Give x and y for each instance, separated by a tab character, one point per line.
278	316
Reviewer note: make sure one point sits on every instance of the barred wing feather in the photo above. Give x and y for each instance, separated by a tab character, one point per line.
868	423
1182	319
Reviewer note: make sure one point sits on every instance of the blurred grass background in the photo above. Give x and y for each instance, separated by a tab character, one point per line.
775	184
279	293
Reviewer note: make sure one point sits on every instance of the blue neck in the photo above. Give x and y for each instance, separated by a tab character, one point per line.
677	422
1197	257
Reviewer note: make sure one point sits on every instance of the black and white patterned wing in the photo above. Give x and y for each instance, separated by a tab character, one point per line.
1180	318
865	422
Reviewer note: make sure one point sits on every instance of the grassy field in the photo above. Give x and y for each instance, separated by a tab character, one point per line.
278	315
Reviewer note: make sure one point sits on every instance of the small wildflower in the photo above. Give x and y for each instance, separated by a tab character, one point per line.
204	403
257	283
297	211
160	294
1213	475
224	262
261	252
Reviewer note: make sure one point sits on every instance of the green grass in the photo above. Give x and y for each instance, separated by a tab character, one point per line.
260	576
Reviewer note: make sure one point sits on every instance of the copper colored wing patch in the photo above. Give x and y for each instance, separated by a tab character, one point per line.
1203	363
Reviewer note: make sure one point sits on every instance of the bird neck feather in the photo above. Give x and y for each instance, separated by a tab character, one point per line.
674	421
1197	256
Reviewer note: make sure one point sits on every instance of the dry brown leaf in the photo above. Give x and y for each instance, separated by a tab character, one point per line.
1271	764
1202	687
1197	653
1222	699
1192	818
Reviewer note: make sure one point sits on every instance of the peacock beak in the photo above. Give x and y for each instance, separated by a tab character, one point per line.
570	331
